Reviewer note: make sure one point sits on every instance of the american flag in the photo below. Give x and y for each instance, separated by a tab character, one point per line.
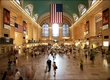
56	13
18	28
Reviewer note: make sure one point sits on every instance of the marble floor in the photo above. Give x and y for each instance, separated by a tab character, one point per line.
68	68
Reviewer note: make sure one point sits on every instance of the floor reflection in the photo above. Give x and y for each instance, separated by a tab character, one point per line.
32	68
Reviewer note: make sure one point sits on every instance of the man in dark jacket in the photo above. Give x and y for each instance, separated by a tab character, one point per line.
49	65
4	75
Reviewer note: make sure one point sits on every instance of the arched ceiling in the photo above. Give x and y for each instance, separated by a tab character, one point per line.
45	18
42	6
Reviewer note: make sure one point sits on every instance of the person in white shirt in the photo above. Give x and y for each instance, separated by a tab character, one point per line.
53	55
17	75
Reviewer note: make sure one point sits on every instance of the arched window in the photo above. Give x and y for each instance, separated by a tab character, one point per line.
45	30
35	17
29	9
18	1
65	30
55	30
91	2
75	16
82	9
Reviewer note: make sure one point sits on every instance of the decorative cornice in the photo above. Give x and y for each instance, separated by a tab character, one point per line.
47	16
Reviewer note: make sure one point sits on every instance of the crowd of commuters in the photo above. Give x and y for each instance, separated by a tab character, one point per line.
12	73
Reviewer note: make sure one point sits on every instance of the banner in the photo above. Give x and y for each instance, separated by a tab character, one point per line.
105	17
18	28
6	17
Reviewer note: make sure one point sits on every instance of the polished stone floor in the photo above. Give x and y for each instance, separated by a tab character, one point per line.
68	68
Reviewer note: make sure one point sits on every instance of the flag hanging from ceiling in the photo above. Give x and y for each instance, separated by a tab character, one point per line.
56	13
18	28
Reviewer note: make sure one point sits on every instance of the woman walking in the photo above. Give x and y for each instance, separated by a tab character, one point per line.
54	68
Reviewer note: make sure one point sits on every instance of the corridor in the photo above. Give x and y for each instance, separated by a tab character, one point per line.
68	68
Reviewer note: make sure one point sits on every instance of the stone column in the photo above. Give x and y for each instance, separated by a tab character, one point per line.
81	31
76	33
92	29
34	32
50	33
19	36
40	33
60	33
70	31
29	31
72	34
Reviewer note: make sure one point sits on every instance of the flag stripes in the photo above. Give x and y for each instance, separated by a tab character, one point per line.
56	13
18	28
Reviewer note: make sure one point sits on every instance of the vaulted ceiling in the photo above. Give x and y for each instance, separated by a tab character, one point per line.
42	6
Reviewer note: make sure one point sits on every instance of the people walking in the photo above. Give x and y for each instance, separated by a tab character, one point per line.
9	64
17	74
92	57
81	65
103	52
86	54
49	65
4	75
54	68
53	54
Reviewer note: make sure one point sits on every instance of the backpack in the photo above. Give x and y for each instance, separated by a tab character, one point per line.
55	67
20	78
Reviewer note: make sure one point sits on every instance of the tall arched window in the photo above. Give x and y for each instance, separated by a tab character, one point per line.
19	2
35	17
45	30
91	2
82	9
65	30
55	30
75	16
29	9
